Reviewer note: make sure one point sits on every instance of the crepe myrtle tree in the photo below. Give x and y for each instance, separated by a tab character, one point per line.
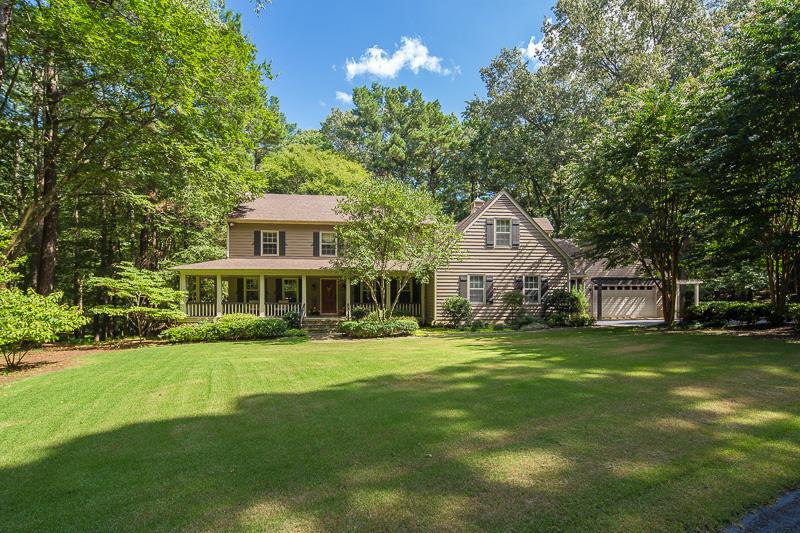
394	232
142	296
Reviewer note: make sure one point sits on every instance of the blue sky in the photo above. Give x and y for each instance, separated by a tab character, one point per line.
309	44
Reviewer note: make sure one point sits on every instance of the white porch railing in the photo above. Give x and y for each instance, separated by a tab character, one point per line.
399	310
272	309
201	309
230	308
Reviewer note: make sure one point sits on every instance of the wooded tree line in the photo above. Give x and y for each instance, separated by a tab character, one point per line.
658	132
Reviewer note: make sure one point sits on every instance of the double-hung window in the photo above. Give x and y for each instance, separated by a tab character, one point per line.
289	289
269	243
250	290
531	287
327	241
477	289
502	232
575	284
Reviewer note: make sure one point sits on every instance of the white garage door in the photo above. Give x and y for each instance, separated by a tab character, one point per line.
636	301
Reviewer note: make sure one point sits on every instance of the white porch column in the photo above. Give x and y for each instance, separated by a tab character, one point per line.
261	299
219	294
696	294
422	301
347	296
304	289
182	287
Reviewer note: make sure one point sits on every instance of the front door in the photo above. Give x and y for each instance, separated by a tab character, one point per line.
329	295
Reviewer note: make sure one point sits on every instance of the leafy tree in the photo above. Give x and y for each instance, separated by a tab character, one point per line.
141	296
393	232
751	133
307	169
641	183
28	319
395	133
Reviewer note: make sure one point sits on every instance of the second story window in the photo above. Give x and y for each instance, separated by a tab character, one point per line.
269	243
327	241
502	232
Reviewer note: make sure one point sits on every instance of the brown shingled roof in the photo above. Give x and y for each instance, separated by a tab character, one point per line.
290	208
584	267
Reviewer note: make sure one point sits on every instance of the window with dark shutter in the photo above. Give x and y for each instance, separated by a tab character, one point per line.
257	242
316	244
515	233
489	232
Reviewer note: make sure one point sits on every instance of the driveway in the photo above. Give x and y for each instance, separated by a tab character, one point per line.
628	323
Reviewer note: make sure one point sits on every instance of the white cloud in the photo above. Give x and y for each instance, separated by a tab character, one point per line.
533	49
411	54
344	97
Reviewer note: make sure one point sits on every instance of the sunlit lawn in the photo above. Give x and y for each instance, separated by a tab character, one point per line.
565	430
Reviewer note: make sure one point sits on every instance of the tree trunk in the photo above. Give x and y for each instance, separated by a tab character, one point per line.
48	247
6	11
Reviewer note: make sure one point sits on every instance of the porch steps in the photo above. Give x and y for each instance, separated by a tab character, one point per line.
321	326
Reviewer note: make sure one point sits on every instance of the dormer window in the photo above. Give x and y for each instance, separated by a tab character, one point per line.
327	241
502	232
269	243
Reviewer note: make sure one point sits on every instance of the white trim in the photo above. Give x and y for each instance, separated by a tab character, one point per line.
336	284
335	244
482	289
277	242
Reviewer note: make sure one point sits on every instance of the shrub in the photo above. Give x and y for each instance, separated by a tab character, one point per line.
28	319
522	320
457	310
558	319
716	313
478	324
293	319
565	302
499	327
366	328
295	333
376	315
359	312
514	301
228	327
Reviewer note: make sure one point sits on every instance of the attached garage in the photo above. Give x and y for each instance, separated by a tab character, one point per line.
628	302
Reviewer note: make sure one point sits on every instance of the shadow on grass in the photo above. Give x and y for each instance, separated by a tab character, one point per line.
527	436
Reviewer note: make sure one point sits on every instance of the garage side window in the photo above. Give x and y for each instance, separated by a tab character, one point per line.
531	288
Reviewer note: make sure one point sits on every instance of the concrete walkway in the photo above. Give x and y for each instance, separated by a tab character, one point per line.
781	516
628	323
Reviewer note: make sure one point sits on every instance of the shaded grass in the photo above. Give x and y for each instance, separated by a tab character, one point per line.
559	430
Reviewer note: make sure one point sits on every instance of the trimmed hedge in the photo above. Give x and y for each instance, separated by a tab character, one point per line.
363	329
228	328
720	313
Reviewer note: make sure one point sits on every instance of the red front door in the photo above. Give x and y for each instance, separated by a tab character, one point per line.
328	287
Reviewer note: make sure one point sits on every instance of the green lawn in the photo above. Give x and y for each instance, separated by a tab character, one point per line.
567	430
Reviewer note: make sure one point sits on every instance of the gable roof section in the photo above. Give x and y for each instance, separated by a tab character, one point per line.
289	208
584	267
465	224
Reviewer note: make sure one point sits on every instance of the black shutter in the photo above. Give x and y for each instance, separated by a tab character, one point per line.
316	244
462	286
489	232
515	233
281	243
240	289
518	283
545	284
278	289
257	242
489	289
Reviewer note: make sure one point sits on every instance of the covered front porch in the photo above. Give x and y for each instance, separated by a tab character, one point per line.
271	294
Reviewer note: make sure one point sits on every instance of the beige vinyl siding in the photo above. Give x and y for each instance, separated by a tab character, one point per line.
299	238
536	255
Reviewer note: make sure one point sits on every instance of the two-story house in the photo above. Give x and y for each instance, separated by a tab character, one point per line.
280	248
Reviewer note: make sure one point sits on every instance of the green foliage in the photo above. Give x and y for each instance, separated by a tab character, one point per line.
295	332
307	169
358	312
457	310
28	319
228	327
720	313
366	328
522	320
566	308
514	301
293	319
394	232
141	296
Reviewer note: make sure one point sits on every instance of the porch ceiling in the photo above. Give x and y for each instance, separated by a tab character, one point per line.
259	263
